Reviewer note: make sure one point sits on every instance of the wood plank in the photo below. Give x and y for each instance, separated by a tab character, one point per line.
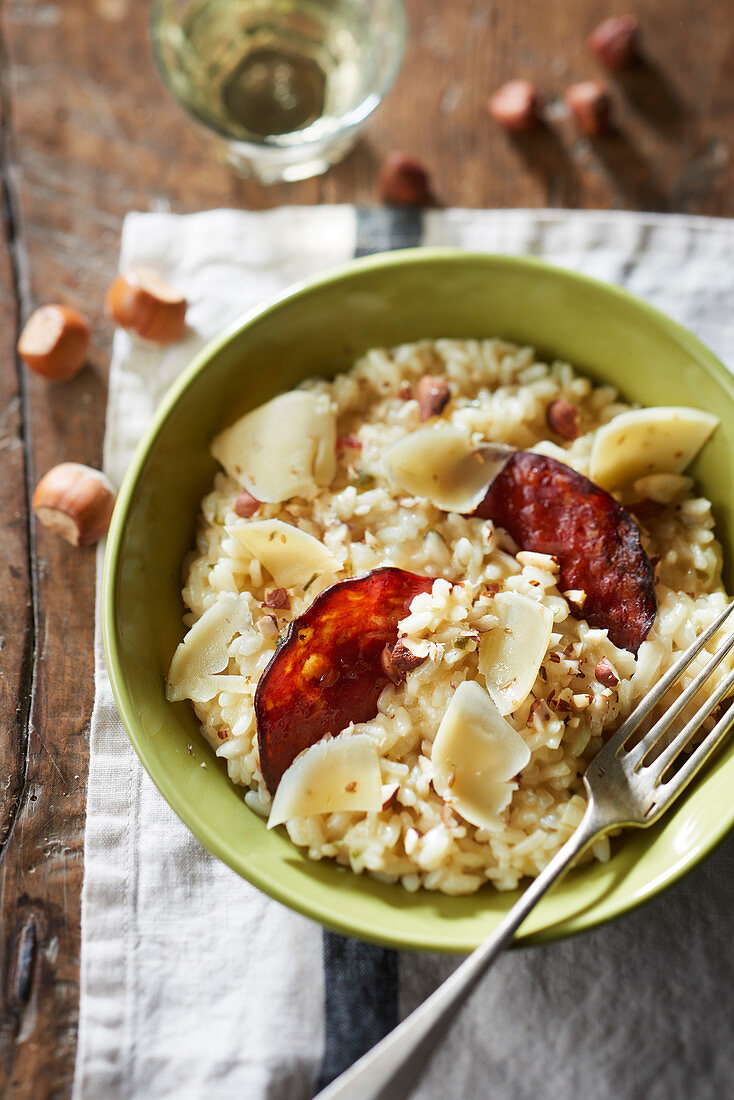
94	135
16	616
675	112
17	633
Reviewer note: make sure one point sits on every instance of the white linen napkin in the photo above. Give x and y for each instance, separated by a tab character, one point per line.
194	984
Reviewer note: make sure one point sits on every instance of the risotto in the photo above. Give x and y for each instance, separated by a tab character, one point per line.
342	505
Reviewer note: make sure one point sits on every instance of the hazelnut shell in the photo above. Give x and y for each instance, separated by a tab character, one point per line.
142	302
54	342
403	181
614	41
76	501
590	106
514	106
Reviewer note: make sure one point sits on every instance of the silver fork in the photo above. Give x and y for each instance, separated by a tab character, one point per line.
623	788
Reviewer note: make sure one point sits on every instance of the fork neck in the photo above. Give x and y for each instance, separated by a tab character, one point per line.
590	828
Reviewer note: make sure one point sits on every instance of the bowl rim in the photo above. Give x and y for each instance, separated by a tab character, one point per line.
589	918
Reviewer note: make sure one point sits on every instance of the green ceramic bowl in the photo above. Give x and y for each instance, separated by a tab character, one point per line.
319	328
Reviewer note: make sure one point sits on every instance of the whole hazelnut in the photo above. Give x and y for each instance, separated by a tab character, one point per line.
614	41
403	181
54	342
515	106
590	106
142	302
76	501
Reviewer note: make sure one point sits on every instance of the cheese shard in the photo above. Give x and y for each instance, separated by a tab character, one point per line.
285	448
204	651
475	755
290	555
658	440
330	776
511	653
441	465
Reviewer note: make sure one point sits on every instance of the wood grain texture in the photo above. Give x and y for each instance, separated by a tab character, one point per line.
88	133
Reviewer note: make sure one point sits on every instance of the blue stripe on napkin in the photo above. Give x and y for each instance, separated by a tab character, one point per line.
361	979
384	228
361	1001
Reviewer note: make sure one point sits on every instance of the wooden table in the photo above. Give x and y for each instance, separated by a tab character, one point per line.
88	134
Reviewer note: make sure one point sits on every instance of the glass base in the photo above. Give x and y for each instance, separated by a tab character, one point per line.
288	164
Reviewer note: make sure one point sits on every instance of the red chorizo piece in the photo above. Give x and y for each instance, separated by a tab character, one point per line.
328	672
549	508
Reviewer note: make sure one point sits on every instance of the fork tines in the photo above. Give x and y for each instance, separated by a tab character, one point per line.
655	771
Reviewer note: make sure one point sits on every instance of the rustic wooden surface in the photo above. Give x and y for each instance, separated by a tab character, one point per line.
86	134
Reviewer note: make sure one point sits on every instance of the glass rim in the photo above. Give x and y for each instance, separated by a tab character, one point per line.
349	120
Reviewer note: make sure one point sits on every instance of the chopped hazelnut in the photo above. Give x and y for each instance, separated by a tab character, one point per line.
563	418
535	708
605	674
614	41
389	791
398	660
278	598
590	106
403	180
246	504
576	598
515	105
433	396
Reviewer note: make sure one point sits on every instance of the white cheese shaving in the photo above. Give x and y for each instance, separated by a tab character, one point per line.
330	777
441	465
204	651
512	652
661	440
282	449
290	555
475	755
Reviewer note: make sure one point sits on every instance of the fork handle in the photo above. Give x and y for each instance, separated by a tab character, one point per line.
393	1066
